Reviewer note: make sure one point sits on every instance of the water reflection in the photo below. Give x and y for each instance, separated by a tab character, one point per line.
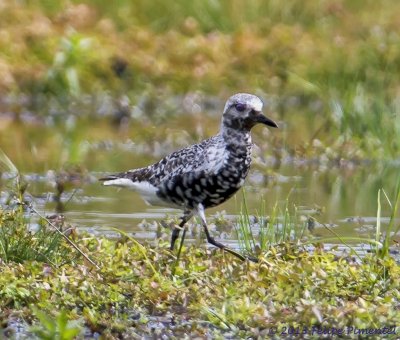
343	197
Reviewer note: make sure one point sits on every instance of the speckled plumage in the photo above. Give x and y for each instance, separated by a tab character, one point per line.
203	175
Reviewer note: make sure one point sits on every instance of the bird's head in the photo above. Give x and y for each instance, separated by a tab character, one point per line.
243	111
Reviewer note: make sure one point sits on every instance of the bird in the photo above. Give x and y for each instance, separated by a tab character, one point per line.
202	175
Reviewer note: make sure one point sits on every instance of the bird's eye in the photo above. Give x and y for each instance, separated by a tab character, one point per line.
240	107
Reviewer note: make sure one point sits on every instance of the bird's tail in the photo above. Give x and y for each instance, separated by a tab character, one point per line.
125	180
118	180
133	179
109	177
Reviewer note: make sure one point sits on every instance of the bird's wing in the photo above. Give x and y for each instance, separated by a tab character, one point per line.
195	158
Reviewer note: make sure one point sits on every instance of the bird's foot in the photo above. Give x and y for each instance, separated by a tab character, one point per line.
252	258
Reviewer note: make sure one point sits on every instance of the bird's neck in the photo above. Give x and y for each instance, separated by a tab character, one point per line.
240	139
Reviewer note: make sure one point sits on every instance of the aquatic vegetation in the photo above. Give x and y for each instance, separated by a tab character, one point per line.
58	328
22	238
19	243
256	234
391	230
289	287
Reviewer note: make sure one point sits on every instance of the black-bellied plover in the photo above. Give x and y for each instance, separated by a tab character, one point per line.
203	175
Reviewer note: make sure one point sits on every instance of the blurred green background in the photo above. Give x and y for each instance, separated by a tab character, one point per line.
330	69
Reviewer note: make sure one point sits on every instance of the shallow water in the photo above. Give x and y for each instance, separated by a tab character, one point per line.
342	198
341	194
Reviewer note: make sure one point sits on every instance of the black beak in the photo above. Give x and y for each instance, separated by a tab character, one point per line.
265	120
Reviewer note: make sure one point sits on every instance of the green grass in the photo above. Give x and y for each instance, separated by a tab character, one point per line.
231	297
281	226
57	328
284	226
18	242
386	237
227	16
27	235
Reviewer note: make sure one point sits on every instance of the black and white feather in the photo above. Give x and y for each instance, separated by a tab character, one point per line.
206	174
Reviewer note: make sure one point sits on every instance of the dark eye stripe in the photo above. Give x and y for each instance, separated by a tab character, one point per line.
240	107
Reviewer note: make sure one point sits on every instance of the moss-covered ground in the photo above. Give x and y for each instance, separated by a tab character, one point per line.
211	294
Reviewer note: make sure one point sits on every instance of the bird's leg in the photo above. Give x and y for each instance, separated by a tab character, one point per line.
186	217
175	235
210	239
175	232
